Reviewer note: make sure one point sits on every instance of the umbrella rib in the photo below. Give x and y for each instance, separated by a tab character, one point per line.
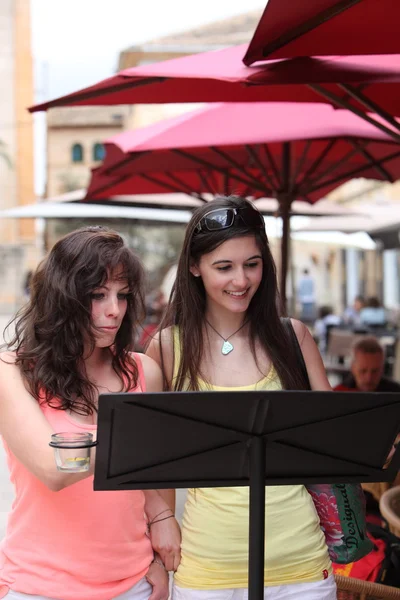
233	163
331	168
286	166
126	161
273	165
300	164
369	104
226	184
344	104
208	165
318	160
374	162
162	183
109	185
304	27
112	89
166	185
206	182
353	173
254	156
181	184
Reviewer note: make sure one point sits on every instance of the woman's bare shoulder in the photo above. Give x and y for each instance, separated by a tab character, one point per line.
152	373
300	329
8	357
166	335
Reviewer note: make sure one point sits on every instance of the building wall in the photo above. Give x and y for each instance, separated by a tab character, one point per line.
8	175
86	126
64	175
17	239
24	96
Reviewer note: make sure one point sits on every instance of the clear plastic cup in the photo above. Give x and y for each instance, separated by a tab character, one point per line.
72	451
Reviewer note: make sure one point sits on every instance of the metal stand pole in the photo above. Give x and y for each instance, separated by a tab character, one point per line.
257	519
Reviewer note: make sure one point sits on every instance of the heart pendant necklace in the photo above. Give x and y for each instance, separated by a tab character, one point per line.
227	347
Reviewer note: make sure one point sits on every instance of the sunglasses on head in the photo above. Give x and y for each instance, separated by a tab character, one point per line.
223	218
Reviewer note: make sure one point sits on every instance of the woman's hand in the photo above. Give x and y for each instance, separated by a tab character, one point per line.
165	536
157	576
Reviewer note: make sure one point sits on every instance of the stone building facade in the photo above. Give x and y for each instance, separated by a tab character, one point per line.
17	239
74	143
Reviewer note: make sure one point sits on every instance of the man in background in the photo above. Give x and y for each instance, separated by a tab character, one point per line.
367	368
306	296
367	376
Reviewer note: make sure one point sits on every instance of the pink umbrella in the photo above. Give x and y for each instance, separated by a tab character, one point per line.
290	28
287	151
359	84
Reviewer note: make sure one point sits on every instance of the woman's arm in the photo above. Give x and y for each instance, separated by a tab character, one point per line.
167	361
312	358
164	530
26	431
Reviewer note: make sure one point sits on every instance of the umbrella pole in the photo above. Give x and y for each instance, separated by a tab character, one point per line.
285	198
285	241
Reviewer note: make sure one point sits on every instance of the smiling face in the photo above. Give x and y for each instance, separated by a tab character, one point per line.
109	305
231	274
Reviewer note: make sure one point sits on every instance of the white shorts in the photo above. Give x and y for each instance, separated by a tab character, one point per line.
141	591
317	590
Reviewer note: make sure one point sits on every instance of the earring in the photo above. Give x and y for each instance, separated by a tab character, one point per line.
196	274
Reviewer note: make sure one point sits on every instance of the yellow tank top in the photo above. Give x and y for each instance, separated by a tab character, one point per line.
215	528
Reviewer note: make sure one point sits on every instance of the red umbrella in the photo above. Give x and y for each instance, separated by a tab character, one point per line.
290	28
287	151
366	83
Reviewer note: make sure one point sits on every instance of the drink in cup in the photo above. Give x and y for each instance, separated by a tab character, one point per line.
72	451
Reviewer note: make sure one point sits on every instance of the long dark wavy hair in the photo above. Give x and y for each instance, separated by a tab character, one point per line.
187	304
54	329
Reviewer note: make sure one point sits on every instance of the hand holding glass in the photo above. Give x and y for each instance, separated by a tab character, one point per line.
72	451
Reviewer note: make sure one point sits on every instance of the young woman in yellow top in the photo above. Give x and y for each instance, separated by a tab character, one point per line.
222	331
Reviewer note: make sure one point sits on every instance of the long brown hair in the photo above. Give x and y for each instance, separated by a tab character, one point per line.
188	302
55	327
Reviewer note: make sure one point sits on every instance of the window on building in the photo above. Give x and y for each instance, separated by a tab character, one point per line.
98	152
77	153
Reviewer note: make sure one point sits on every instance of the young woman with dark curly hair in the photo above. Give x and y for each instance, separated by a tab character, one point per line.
222	331
72	341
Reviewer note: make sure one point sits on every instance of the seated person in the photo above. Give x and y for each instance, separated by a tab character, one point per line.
373	314
367	376
351	315
322	325
368	361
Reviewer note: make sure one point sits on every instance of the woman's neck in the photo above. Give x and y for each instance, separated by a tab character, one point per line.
98	358
224	321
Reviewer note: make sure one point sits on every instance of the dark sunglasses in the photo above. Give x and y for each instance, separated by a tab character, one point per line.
223	218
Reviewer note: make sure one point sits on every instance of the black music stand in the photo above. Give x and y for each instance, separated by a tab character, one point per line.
257	438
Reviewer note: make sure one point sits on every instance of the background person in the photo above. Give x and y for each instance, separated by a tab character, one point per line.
222	332
351	315
72	341
325	321
367	366
373	314
306	296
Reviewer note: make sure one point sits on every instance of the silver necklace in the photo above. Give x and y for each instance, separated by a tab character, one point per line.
227	347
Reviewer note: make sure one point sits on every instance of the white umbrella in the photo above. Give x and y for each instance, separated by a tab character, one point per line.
268	206
364	217
76	210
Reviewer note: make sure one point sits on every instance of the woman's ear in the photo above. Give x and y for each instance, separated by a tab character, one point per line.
195	271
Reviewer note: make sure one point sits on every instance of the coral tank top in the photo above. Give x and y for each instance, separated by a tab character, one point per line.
75	544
